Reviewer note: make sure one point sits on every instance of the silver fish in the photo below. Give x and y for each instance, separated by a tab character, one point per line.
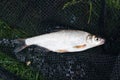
63	41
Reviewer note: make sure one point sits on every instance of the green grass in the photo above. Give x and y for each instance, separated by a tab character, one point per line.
7	32
90	12
18	68
12	64
74	2
110	3
21	69
113	3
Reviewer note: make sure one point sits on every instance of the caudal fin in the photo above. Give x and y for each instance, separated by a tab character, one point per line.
20	45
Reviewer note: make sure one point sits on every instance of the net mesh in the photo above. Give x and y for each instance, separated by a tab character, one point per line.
37	17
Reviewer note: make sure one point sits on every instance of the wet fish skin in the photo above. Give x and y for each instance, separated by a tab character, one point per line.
63	41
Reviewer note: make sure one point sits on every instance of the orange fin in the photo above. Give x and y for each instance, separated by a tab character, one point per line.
62	51
80	46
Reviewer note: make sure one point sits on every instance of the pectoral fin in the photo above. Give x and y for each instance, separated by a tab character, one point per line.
80	46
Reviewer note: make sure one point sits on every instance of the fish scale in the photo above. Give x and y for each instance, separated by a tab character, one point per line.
62	41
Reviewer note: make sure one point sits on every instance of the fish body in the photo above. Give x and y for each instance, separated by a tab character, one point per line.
64	41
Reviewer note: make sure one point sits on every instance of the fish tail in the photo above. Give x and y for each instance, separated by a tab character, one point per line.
20	45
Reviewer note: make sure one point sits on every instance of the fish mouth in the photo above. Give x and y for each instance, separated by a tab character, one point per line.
102	41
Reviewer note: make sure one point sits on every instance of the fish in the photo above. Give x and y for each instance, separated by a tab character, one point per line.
62	41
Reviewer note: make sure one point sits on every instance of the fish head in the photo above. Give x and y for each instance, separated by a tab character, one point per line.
95	40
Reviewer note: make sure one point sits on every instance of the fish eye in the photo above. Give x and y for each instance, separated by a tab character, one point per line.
97	39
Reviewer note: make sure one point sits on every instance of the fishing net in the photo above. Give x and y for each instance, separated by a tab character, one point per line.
6	75
36	17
